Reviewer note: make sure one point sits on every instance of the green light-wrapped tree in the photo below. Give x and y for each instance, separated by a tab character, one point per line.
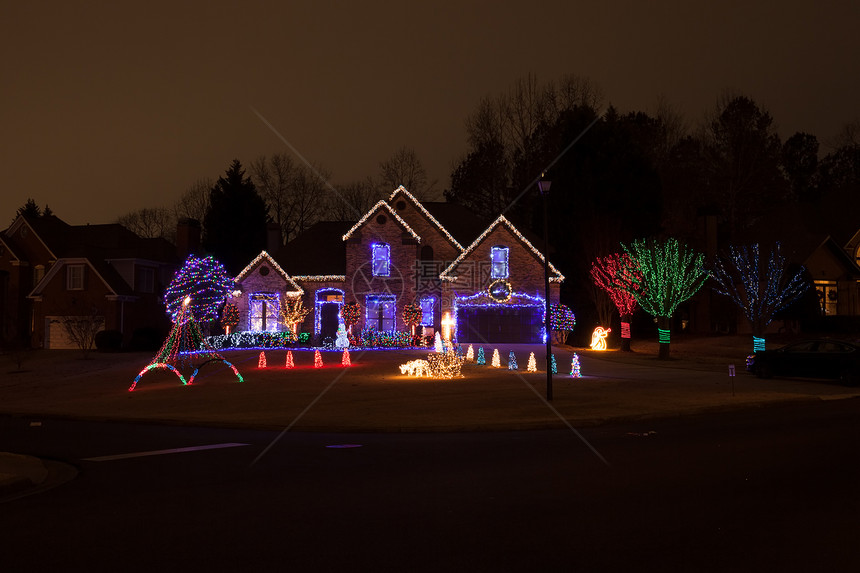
670	273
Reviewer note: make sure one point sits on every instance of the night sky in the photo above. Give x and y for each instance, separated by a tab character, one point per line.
113	106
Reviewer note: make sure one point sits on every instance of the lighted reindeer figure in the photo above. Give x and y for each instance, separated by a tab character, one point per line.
598	338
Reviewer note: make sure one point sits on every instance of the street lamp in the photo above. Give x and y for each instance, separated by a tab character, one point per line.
543	187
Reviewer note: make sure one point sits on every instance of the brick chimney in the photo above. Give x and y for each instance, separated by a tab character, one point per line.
187	237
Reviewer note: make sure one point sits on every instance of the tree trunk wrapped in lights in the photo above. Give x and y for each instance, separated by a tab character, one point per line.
759	292
618	275
670	273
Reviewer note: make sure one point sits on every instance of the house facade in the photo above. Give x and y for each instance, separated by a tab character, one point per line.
51	271
835	272
404	252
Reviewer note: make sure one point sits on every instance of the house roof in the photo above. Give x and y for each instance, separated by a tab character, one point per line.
401	191
318	251
265	257
108	241
460	221
100	268
847	262
374	209
448	274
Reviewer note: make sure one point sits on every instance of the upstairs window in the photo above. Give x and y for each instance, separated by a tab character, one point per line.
499	261
381	259
145	279
75	277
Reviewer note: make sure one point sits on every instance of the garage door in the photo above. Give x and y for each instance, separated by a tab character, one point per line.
520	324
56	337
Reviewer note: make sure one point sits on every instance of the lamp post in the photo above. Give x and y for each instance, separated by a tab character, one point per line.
543	186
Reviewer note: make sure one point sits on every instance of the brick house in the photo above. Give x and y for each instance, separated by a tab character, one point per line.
50	270
403	251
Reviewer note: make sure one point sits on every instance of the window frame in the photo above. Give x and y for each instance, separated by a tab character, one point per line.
378	319
75	277
505	271
380	256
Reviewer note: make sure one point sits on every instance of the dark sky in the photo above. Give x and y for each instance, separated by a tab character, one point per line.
114	106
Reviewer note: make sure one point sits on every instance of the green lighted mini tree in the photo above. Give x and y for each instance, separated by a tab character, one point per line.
669	273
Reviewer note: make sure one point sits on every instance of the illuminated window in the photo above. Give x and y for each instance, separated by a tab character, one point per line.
827	297
380	311
75	277
499	260
381	259
264	312
427	304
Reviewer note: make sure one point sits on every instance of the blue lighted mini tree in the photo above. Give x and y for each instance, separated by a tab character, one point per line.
512	361
480	360
758	291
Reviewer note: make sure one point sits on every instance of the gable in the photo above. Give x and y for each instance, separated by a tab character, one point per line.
401	199
272	275
830	262
111	280
501	227
382	205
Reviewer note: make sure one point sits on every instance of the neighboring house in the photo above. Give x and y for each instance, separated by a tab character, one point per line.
402	251
835	270
50	270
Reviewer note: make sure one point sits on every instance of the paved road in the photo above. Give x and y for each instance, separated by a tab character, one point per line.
766	489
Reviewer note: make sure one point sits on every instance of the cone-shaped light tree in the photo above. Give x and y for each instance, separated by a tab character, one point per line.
619	277
670	273
759	290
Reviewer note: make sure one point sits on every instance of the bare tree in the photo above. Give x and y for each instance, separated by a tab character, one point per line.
82	329
194	201
150	223
352	200
274	179
404	168
308	191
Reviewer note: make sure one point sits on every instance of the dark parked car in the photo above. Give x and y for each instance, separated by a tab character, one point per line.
822	358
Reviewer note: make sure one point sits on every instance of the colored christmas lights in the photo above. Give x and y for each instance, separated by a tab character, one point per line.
554	366
575	371
289	363
618	275
758	344
229	317
350	313
512	361
206	281
480	360
625	329
532	365
496	361
318	363
445	365
261	362
411	315
664	335
760	293
561	318
598	338
184	343
447	274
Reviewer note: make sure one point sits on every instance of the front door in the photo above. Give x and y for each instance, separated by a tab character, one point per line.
328	320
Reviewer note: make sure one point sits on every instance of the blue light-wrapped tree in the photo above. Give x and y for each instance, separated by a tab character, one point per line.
759	291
